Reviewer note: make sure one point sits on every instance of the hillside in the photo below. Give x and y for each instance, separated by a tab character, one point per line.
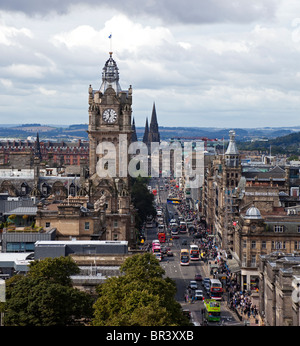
282	140
289	144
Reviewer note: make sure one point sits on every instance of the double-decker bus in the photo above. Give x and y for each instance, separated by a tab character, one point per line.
184	257
156	247
182	227
216	289
212	310
161	237
194	252
156	250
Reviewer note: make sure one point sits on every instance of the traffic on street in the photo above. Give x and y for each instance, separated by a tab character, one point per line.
187	252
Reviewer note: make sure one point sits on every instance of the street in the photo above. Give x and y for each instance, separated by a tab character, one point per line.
182	275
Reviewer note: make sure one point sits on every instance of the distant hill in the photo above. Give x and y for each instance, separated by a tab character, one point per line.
289	144
282	140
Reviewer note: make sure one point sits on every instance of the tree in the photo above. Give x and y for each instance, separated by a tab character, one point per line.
140	297
142	200
45	296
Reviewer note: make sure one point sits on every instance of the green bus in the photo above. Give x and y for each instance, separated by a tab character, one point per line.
212	310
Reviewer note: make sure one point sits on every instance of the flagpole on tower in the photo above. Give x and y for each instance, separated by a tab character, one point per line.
110	43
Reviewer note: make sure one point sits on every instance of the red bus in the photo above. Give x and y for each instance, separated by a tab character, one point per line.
216	289
162	237
194	253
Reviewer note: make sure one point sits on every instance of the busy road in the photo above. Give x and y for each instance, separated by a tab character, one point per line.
197	270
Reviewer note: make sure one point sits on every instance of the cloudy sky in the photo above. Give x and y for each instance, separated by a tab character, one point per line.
233	63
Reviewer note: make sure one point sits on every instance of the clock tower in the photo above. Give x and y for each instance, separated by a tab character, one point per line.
110	124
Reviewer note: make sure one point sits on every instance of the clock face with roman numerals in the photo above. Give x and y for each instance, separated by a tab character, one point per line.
109	116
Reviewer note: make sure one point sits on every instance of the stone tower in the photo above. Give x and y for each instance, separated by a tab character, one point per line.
109	134
232	163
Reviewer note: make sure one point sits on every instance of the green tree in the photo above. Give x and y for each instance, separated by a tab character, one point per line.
56	270
45	296
143	200
139	297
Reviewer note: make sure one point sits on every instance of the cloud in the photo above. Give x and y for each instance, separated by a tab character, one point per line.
8	34
46	92
205	65
171	11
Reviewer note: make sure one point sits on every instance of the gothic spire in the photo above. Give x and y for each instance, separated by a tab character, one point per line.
146	133
154	133
133	135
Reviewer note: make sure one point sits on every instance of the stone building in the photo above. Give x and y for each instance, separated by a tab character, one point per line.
245	208
256	235
218	199
279	277
51	152
91	203
110	132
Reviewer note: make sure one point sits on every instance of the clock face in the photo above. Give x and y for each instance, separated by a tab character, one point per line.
109	115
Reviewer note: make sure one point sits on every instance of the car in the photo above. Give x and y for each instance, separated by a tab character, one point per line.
184	242
198	277
206	280
207	287
169	253
163	250
193	285
198	294
176	237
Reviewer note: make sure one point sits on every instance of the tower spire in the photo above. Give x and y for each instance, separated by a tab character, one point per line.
133	135
154	133
146	133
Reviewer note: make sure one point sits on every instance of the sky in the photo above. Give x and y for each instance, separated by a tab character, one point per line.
205	63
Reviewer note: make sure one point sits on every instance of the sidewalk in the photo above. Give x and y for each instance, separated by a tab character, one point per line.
250	321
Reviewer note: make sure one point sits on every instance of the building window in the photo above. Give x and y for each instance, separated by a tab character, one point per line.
298	227
47	224
253	260
244	243
86	226
244	260
297	245
263	244
115	223
115	236
253	244
277	245
278	228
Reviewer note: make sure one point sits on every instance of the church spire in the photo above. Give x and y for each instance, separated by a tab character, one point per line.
133	135
154	133
146	133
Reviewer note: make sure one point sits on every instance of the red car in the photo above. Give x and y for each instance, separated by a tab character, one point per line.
198	277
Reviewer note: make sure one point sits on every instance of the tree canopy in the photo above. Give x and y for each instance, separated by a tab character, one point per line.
142	200
139	297
45	296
